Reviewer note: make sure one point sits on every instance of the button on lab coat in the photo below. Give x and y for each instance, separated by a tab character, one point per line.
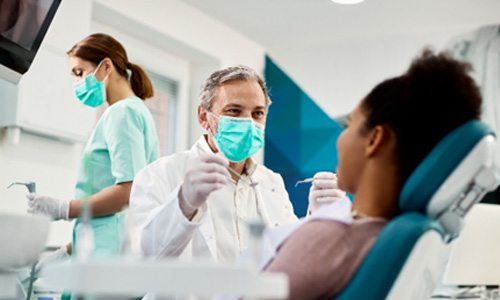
165	231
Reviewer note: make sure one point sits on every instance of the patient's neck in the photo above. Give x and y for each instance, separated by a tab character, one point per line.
378	193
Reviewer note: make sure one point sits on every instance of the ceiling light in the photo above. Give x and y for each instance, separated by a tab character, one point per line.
347	1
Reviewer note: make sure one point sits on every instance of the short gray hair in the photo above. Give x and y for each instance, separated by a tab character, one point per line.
218	78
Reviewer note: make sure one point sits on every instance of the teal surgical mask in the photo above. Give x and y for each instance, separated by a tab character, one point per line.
91	91
238	138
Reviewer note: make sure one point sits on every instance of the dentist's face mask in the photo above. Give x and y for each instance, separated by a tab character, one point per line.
238	138
91	91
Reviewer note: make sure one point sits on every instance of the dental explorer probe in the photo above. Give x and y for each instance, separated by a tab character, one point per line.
310	179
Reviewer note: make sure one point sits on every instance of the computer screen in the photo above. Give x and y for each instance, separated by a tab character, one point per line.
23	25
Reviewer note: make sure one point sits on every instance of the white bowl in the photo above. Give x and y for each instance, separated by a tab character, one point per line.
22	239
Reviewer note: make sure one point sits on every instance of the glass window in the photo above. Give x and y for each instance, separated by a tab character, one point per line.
163	106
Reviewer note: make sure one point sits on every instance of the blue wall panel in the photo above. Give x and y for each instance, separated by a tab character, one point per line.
300	136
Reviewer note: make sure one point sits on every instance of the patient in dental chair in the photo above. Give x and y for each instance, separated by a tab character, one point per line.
388	134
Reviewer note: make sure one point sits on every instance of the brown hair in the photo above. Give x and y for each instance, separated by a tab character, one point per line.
98	46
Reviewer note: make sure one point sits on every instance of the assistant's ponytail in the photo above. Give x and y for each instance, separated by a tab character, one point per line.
140	82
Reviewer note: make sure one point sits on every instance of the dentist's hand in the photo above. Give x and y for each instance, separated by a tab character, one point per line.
324	190
206	174
43	205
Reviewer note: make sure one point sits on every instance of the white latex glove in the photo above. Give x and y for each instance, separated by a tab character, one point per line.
206	174
324	190
43	205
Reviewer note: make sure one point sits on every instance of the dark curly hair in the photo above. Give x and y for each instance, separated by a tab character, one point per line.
433	97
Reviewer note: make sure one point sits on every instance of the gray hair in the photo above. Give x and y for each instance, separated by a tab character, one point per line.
218	78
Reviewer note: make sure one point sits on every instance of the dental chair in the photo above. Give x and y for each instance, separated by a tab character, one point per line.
409	256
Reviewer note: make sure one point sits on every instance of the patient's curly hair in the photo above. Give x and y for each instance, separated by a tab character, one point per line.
433	97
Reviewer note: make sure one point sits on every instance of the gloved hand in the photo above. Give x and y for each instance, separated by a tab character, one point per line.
205	175
324	190
43	205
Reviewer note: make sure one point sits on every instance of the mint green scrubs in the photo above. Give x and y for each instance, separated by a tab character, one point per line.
123	142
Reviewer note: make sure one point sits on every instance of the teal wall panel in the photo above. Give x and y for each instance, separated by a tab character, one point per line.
300	136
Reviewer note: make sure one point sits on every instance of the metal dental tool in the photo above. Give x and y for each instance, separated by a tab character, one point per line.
30	185
311	179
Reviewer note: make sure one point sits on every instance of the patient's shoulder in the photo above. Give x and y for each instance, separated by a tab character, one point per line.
364	228
322	255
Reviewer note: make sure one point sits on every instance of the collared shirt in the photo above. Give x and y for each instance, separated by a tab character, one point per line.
234	205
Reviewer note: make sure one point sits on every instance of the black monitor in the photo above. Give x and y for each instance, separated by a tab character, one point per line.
23	25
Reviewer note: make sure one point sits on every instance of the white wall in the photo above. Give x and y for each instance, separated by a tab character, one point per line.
336	53
193	29
338	77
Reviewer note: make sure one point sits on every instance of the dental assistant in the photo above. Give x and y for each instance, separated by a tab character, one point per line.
123	141
196	203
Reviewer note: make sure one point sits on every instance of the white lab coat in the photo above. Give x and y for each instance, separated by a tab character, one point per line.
165	231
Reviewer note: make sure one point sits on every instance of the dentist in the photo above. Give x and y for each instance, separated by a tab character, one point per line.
196	203
123	141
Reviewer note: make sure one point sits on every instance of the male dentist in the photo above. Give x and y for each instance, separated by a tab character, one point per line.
197	203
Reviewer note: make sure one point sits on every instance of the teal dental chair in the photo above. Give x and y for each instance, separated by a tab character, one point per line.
410	254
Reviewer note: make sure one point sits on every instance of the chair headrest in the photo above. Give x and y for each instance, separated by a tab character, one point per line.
462	152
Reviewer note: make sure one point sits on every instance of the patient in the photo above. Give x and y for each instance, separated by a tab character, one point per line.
388	134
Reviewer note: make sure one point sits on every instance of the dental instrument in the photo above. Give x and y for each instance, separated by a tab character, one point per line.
310	179
31	186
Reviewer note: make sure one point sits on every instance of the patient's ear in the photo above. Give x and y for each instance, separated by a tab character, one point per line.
378	138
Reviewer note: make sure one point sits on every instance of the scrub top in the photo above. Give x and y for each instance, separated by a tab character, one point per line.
123	142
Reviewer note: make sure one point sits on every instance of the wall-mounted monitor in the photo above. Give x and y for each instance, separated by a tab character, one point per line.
23	25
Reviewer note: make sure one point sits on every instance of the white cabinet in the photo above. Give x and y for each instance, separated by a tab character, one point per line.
43	101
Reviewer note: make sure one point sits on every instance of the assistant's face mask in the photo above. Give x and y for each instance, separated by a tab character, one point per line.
238	138
91	91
